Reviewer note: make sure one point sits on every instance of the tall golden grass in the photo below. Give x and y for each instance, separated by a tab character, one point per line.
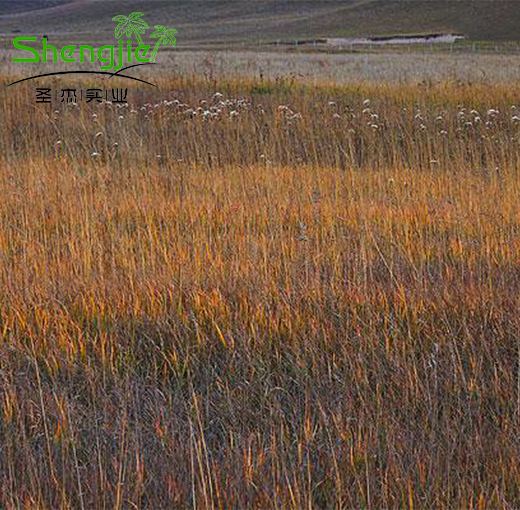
309	303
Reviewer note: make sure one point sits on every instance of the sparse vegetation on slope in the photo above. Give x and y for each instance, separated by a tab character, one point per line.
210	21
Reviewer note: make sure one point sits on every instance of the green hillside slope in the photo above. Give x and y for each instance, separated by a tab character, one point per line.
201	21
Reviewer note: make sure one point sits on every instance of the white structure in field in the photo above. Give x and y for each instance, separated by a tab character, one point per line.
428	39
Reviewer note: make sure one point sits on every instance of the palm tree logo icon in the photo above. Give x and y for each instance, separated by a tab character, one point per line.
131	24
165	36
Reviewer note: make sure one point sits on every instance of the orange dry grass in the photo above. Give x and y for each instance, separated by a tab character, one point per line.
215	329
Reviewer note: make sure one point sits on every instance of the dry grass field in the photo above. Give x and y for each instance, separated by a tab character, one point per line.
261	294
424	67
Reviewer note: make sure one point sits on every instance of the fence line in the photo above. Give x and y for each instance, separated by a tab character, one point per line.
426	47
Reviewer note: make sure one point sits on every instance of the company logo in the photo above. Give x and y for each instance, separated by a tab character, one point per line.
111	58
